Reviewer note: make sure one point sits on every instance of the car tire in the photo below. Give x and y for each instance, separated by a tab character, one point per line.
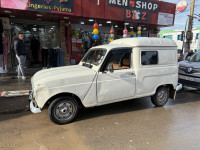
161	97
63	110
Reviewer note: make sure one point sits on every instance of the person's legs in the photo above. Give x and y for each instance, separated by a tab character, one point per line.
18	67
23	60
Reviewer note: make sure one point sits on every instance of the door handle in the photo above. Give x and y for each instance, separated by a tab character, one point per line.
130	73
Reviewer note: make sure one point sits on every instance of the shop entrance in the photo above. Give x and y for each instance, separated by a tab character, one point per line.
37	36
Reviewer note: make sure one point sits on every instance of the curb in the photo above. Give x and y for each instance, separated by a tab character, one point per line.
14	93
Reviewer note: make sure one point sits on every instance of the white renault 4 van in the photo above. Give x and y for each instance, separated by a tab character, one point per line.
122	70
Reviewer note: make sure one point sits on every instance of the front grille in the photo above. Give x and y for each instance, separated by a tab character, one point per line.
189	83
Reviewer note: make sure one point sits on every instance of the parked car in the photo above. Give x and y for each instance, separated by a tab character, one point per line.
122	70
189	71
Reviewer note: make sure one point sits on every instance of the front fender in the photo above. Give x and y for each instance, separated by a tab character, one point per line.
45	94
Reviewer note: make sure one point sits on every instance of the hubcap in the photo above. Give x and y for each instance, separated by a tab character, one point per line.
162	96
64	110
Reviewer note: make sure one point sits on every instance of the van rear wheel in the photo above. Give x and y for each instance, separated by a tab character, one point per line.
161	97
63	110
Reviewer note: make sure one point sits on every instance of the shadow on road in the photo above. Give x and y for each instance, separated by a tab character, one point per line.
183	97
136	105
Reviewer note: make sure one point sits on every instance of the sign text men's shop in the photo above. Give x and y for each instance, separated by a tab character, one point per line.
137	10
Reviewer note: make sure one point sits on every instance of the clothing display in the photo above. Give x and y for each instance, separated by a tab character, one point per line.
44	57
34	47
1	62
56	58
6	44
55	42
60	58
1	40
1	48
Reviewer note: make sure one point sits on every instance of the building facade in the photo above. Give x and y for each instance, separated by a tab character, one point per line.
68	24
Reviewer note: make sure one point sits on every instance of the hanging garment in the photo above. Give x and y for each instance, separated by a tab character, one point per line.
35	46
44	57
51	59
68	35
6	46
1	40
60	58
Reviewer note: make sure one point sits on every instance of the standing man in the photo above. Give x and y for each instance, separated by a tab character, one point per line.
190	53
21	56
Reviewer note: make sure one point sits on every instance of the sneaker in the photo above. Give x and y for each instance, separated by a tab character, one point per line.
19	77
2	71
23	77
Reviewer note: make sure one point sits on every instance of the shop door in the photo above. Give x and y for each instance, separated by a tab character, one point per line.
93	8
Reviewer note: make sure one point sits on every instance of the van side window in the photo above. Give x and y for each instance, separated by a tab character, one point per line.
121	59
149	57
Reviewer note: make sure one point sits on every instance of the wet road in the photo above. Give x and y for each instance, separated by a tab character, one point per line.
130	125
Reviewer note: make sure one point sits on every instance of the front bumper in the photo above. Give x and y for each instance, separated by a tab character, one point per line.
179	87
189	81
33	105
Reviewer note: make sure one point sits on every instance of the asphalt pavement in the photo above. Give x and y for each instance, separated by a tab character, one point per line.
130	125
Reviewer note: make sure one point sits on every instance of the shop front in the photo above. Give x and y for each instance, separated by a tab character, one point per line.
60	32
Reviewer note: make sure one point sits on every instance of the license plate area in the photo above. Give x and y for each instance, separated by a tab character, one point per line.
186	78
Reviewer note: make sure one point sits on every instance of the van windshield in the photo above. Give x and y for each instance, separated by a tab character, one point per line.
195	57
94	57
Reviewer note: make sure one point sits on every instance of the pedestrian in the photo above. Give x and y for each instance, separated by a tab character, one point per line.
21	56
181	56
190	53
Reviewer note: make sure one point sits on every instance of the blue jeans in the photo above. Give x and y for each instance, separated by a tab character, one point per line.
60	58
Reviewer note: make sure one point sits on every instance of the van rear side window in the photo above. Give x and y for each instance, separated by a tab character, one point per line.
149	57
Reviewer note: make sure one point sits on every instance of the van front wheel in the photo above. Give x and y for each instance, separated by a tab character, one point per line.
63	110
161	97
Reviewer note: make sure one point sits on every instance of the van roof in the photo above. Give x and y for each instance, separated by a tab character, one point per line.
112	46
145	41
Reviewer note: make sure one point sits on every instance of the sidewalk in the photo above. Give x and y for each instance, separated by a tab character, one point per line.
10	82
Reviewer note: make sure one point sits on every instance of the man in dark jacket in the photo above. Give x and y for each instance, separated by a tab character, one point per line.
190	53
21	56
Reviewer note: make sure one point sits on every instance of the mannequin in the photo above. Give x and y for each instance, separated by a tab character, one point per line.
45	45
55	42
6	46
1	48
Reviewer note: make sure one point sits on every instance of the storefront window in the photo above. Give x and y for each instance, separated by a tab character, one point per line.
36	38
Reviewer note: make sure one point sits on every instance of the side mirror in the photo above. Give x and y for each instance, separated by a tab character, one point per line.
110	68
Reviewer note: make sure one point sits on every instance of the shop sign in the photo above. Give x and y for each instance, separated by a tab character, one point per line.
52	6
143	5
136	10
165	19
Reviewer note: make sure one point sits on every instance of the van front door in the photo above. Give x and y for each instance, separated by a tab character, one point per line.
118	82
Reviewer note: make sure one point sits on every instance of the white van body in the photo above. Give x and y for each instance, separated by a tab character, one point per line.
93	85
